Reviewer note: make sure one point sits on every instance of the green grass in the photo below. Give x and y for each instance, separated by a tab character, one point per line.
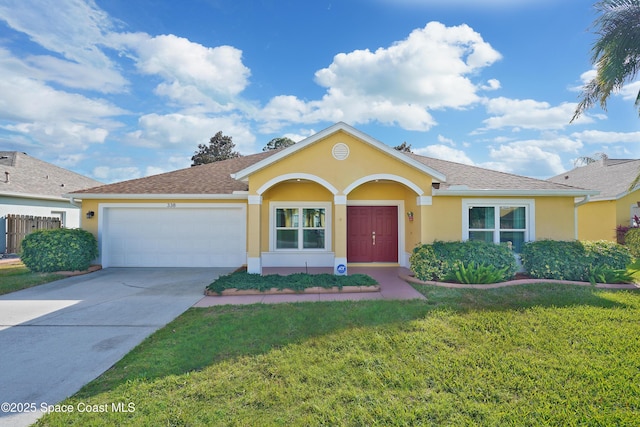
15	276
527	355
242	280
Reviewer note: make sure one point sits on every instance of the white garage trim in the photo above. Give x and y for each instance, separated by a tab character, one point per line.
221	244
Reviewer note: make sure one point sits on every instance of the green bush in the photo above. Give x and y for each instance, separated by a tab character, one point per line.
632	241
439	260
59	249
573	260
478	274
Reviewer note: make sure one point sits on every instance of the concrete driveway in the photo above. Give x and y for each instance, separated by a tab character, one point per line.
55	338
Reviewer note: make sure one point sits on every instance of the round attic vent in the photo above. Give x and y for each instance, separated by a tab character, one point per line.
340	151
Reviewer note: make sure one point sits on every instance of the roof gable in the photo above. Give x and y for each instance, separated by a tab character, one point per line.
339	127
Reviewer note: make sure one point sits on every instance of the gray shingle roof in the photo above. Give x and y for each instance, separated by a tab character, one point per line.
215	178
611	177
28	176
211	178
460	176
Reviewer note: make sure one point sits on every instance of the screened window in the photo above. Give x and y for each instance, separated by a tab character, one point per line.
300	228
499	224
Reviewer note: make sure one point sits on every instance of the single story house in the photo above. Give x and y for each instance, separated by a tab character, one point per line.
615	205
32	187
337	198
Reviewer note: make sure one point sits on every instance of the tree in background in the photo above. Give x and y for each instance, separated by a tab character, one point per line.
616	54
221	147
277	143
404	147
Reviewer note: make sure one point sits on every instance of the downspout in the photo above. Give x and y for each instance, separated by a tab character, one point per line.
72	200
586	199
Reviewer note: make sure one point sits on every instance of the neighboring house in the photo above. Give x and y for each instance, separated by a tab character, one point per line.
338	197
29	186
615	205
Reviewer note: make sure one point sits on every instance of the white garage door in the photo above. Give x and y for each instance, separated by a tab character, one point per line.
174	237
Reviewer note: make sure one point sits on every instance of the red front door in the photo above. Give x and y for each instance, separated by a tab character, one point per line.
372	233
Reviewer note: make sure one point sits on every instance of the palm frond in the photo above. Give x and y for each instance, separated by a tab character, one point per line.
616	54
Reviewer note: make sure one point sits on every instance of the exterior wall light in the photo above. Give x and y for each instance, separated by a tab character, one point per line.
90	214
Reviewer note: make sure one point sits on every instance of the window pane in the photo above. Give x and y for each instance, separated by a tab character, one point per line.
313	218
515	237
287	239
286	217
481	217
313	239
485	236
512	218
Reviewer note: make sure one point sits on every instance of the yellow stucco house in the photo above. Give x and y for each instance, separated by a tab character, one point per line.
614	205
337	198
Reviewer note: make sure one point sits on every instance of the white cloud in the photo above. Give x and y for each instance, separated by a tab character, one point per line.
74	29
108	174
444	152
187	67
180	130
447	141
26	99
529	114
428	70
539	158
603	137
492	84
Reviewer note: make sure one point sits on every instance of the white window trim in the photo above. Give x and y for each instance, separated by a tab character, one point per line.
301	205
530	215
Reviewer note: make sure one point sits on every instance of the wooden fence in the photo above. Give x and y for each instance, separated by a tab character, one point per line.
18	226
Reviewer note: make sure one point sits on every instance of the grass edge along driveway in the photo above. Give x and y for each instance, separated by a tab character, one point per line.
14	276
529	355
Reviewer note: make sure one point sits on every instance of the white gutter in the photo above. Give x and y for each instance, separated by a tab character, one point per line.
146	196
586	199
515	193
72	200
62	198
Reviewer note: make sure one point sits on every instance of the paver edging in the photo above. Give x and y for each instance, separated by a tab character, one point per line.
413	279
276	291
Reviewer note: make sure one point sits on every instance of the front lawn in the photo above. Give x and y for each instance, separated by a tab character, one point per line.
15	276
527	355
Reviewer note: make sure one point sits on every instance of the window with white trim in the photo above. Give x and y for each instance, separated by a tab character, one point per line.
300	228
498	222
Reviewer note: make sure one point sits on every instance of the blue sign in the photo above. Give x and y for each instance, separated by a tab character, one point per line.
341	269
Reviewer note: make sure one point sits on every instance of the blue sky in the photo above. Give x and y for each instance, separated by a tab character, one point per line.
120	89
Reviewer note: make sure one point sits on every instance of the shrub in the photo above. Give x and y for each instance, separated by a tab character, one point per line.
438	260
59	249
476	274
632	241
572	260
602	274
242	280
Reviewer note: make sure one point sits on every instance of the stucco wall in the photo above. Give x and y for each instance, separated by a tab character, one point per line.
597	220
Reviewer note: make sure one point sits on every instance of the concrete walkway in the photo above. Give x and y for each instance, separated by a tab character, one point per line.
391	287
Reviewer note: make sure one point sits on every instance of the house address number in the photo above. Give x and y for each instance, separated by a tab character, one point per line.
171	205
